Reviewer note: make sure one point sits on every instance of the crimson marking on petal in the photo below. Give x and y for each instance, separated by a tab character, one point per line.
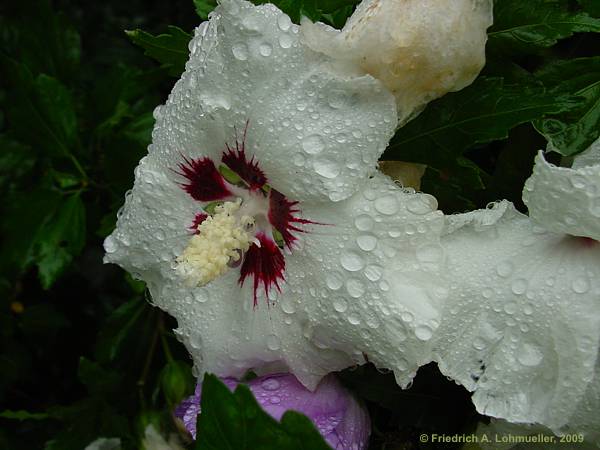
200	217
247	170
282	215
265	264
205	183
588	242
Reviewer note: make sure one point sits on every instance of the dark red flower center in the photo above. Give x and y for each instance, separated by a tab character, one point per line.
277	219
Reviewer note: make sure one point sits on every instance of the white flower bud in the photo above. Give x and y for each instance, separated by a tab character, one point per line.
419	49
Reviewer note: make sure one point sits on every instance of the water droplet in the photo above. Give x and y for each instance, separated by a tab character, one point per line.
366	242
407	317
355	288
273	342
340	304
333	280
284	22
275	400
352	261
286	41
505	268
353	319
313	144
240	51
326	168
529	355
363	222
422	204
201	295
387	205
581	285
402	364
299	160
287	305
510	308
578	182
110	245
479	344
265	49
423	332
270	384
373	272
519	286
372	322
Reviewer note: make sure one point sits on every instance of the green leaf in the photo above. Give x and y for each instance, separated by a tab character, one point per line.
43	320
23	415
204	7
483	112
574	131
42	40
40	110
24	214
169	49
235	421
329	10
60	239
16	160
96	379
176	381
591	6
118	328
528	26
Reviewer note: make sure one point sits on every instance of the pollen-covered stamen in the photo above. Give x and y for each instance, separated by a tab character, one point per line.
204	182
221	240
283	217
265	263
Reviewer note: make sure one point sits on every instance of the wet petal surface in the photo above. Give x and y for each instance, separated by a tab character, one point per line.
522	326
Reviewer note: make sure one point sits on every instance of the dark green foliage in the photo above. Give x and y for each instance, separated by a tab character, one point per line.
576	129
204	7
169	49
527	26
235	421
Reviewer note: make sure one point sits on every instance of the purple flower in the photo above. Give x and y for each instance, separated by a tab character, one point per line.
341	420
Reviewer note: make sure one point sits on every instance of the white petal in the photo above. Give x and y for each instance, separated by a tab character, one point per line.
566	200
153	225
369	281
585	418
420	49
227	336
522	325
231	79
315	133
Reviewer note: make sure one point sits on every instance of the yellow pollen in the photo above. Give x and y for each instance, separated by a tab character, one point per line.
221	239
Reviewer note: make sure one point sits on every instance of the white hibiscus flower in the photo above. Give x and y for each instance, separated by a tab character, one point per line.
258	218
419	49
522	327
